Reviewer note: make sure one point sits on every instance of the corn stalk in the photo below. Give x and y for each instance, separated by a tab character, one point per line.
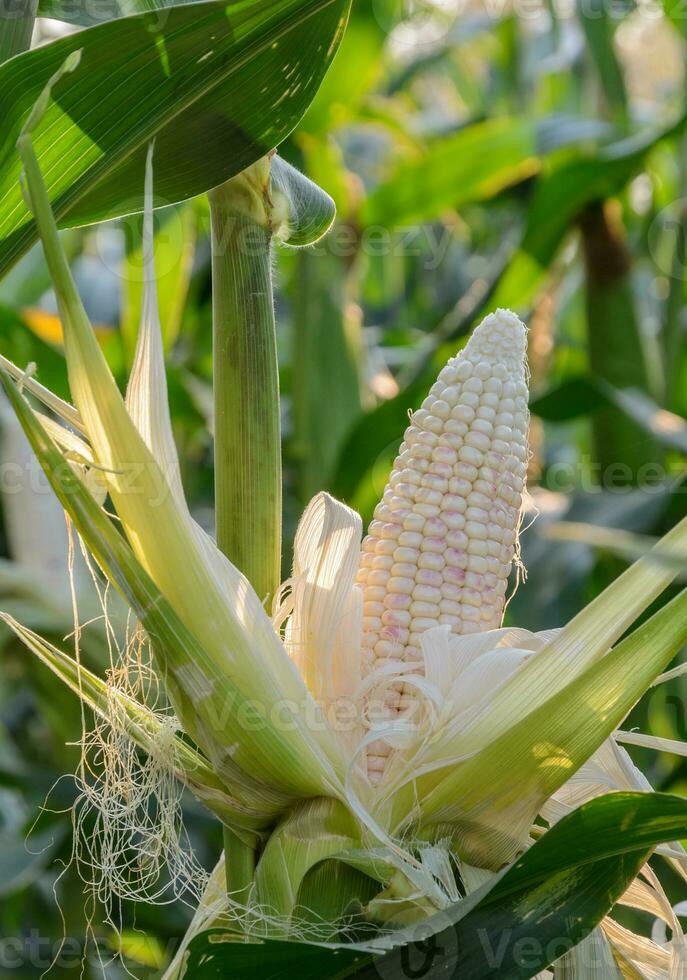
246	214
246	379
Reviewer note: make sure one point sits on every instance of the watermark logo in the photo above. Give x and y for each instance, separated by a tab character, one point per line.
417	23
127	231
430	952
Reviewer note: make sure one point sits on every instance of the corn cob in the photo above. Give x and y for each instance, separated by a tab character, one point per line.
444	536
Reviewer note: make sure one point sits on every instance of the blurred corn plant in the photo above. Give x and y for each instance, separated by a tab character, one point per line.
383	756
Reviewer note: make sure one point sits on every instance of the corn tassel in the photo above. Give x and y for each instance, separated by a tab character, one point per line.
444	537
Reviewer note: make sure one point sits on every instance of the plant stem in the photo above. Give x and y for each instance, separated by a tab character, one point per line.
246	392
673	330
247	412
240	860
16	27
616	352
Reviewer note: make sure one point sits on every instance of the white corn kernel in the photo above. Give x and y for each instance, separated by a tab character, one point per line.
444	537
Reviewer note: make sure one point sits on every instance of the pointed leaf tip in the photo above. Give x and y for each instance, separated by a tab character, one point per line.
70	63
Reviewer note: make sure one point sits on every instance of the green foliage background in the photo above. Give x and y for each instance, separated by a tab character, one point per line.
481	154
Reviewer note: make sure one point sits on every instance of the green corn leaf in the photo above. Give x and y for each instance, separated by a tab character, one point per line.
327	353
372	441
585	394
573	398
233	636
212	959
512	928
626	544
207	75
562	887
175	646
472	165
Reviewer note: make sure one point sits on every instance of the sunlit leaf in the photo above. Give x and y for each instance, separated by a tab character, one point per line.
474	164
207	75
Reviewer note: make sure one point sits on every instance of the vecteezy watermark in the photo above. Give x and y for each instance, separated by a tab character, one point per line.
435	950
36	951
588	476
39	952
137	479
170	241
84	13
581	475
415	25
223	709
147	481
428	953
428	243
